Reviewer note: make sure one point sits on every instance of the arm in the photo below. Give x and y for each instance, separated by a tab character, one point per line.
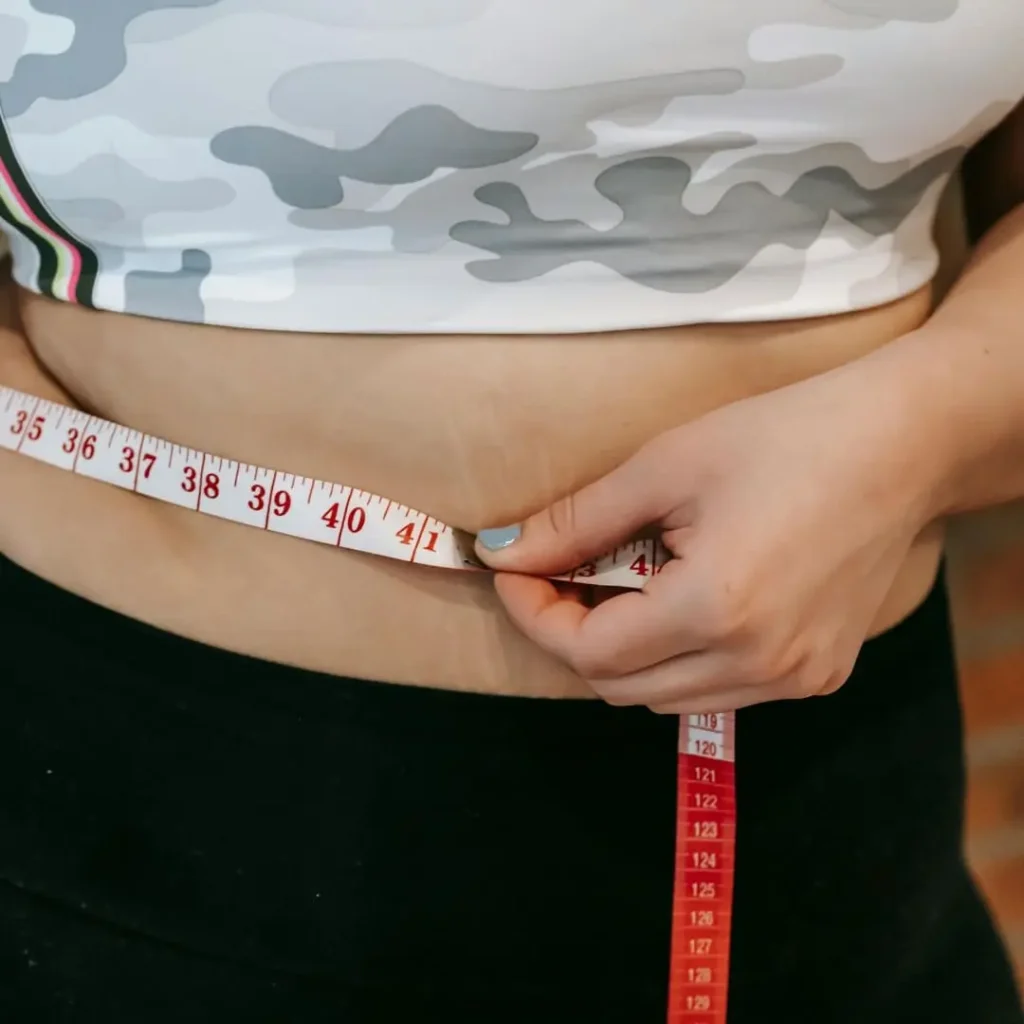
962	373
789	514
19	367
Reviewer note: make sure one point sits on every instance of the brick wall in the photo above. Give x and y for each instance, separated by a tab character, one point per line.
986	564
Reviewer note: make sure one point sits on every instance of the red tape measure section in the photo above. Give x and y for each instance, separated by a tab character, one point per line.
705	861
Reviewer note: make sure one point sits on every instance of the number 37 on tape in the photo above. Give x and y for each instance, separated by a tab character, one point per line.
328	513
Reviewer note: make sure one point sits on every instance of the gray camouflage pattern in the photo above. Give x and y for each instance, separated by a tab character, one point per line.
499	165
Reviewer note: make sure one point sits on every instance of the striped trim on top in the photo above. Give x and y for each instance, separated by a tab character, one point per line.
67	267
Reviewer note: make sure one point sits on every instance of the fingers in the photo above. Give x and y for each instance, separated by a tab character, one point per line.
550	618
561	623
598	640
585	525
684	680
632	650
693	684
713	704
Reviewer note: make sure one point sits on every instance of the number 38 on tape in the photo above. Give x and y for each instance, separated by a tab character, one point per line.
279	502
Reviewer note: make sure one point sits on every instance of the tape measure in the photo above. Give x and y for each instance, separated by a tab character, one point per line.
346	517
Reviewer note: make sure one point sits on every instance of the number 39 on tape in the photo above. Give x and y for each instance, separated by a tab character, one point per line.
279	502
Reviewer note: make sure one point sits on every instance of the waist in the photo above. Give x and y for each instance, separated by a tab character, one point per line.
473	430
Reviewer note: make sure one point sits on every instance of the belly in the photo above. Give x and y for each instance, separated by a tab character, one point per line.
476	431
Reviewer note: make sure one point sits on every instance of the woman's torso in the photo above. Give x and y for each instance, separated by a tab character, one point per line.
495	411
418	420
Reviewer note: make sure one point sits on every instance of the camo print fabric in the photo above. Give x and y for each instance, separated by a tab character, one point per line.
489	165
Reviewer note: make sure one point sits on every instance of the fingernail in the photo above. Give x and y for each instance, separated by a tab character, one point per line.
500	537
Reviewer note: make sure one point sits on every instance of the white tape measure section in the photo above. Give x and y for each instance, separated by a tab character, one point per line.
317	510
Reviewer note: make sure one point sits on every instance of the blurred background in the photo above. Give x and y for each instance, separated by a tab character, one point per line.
986	566
985	562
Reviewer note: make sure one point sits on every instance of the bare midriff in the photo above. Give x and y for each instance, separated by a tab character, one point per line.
476	431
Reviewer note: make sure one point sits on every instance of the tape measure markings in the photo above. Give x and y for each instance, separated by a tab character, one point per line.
346	517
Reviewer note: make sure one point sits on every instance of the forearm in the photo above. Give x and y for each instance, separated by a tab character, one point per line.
19	367
961	380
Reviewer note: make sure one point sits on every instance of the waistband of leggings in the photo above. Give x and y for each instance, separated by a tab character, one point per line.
86	637
89	638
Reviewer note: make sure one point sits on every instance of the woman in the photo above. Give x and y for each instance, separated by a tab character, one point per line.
637	264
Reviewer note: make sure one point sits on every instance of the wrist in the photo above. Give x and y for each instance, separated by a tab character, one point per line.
947	415
923	437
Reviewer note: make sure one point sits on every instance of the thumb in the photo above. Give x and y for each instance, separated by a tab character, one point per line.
584	525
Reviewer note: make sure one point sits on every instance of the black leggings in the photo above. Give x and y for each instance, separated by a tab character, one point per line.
189	836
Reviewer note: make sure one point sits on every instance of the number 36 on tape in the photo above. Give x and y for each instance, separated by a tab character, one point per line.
316	510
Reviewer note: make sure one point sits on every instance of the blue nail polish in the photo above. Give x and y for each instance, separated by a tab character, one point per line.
500	537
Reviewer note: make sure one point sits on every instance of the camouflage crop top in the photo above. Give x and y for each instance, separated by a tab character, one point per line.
489	165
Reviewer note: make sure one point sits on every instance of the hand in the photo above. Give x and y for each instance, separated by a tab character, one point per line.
788	515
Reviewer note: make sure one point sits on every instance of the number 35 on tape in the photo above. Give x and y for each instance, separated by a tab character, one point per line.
328	513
